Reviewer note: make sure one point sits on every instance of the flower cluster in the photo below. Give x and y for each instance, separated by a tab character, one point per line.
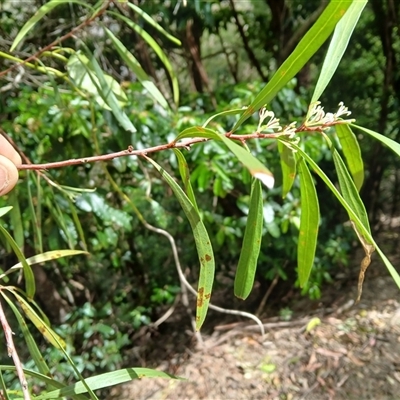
273	125
316	120
318	117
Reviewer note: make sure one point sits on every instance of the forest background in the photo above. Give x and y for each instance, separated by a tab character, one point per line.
116	210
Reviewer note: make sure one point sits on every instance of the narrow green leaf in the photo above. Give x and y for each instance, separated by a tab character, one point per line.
338	45
349	190
197	131
80	71
288	166
30	341
246	269
39	14
78	224
353	216
134	65
185	175
42	327
154	24
16	220
30	286
309	223
223	114
4	210
106	380
96	74
50	382
352	153
158	51
307	47
394	146
4	387
47	256
255	167
203	245
36	215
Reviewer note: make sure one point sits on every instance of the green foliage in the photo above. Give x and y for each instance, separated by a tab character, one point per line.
115	210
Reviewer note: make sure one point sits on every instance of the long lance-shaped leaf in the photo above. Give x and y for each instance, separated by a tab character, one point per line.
246	269
50	335
36	214
133	63
338	45
30	286
352	213
185	175
394	146
46	256
349	190
106	380
46	70
43	328
83	75
203	245
309	223
351	195
288	166
99	80
16	220
4	387
30	341
39	14
44	379
153	23
255	167
307	47
352	153
235	111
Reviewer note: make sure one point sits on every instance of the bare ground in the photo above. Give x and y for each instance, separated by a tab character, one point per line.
352	352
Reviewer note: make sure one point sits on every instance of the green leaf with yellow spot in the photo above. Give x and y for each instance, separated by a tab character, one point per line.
43	328
203	245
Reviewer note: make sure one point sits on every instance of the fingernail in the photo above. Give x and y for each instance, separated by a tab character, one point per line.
4	182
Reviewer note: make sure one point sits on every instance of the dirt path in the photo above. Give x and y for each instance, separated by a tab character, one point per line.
353	353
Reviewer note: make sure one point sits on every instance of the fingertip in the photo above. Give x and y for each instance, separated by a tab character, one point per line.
8	151
8	175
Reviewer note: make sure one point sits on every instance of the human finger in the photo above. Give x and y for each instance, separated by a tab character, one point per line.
8	151
8	175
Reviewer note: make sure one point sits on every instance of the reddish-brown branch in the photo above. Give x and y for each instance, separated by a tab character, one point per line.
13	353
130	151
59	40
185	144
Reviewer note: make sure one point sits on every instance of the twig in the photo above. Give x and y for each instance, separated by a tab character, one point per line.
59	40
268	292
12	353
131	152
189	287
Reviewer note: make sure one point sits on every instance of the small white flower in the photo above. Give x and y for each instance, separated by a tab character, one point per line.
272	124
342	110
290	130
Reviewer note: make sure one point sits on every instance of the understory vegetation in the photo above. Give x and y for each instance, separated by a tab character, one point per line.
240	151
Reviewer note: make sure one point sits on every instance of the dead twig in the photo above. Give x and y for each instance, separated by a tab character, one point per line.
13	353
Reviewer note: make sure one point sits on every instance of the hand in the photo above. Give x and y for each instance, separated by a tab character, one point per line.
9	159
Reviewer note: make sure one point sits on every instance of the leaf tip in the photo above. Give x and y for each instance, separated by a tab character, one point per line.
266	179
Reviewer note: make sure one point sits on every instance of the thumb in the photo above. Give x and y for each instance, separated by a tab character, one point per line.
8	175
